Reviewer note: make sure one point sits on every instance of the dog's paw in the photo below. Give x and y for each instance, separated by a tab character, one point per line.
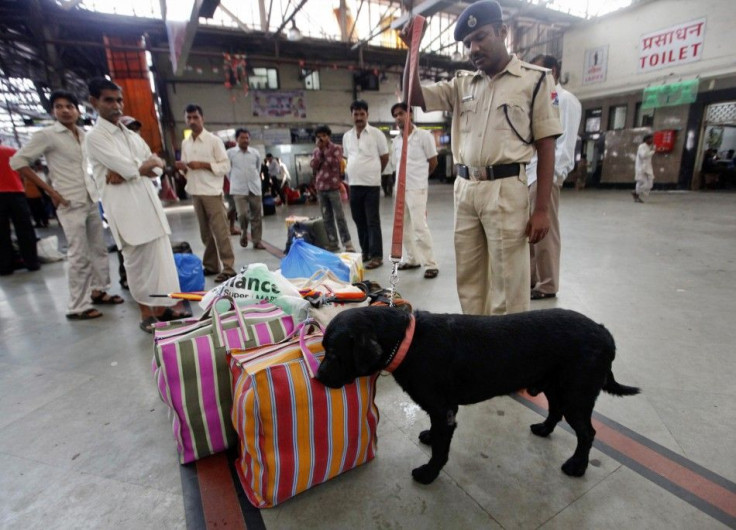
425	437
541	429
424	474
574	468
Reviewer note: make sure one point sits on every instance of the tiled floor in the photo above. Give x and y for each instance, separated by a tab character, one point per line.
85	441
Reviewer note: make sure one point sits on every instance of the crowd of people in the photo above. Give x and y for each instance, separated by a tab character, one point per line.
506	196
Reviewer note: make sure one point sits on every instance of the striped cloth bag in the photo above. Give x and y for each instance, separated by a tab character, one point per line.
295	432
190	369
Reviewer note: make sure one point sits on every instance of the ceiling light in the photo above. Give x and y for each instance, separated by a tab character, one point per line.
294	34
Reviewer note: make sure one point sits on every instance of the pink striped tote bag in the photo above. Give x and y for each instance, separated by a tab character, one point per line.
190	369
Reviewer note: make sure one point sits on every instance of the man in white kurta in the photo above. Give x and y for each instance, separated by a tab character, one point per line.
421	161
75	196
545	254
644	173
123	166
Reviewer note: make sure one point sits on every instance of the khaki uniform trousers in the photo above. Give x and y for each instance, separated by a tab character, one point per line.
214	230
545	255
491	249
88	265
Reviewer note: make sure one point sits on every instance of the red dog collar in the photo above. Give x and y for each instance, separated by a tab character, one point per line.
403	347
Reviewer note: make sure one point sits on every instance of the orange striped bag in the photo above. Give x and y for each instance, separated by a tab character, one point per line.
295	432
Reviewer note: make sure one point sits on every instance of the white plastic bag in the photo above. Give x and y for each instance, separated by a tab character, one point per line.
48	250
251	285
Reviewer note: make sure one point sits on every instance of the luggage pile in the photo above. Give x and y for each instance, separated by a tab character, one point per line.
242	375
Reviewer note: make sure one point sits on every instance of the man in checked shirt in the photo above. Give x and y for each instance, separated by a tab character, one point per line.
326	160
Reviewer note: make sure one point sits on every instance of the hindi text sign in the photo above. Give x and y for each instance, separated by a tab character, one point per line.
672	46
596	63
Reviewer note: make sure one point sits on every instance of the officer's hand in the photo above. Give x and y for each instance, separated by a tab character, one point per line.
537	227
405	33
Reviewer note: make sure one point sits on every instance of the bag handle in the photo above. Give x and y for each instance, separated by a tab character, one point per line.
321	274
309	358
218	337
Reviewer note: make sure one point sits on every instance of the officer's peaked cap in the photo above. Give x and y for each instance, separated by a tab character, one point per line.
477	15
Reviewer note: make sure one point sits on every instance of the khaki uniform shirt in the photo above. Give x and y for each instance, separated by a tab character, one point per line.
481	134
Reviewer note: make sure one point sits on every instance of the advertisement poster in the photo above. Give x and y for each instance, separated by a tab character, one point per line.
277	104
596	64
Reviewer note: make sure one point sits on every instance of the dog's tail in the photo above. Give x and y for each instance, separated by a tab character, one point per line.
612	387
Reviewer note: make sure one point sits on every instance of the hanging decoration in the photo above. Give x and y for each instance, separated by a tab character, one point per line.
236	75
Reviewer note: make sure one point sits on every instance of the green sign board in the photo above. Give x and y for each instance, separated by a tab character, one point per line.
670	95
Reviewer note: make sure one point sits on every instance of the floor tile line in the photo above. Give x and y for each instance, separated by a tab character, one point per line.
707	491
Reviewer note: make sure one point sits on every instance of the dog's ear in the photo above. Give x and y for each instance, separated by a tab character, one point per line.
367	354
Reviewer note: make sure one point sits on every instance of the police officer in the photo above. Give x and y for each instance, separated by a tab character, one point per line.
501	113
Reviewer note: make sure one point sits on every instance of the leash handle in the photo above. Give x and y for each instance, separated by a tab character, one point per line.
398	233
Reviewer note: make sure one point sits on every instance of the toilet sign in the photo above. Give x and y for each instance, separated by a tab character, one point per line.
672	46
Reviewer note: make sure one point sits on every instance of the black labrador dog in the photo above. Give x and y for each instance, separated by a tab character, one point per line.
457	360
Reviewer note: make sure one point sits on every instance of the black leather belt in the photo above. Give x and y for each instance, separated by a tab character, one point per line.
499	171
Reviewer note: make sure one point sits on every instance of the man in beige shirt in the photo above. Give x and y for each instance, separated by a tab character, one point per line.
75	196
501	113
204	163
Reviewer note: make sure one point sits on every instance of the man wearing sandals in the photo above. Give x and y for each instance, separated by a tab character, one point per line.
123	166
421	161
75	197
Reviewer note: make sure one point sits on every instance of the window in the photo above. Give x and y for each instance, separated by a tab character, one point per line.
617	117
644	117
593	120
311	79
264	79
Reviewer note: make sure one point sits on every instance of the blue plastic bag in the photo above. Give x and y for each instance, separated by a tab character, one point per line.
191	272
303	260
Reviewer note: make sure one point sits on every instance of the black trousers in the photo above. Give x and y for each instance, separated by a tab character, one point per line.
364	202
14	207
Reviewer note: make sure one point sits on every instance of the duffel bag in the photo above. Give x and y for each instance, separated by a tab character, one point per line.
190	369
295	432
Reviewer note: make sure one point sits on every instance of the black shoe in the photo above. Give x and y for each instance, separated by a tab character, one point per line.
539	295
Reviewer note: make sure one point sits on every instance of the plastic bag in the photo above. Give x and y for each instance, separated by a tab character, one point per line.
48	250
191	272
303	260
251	285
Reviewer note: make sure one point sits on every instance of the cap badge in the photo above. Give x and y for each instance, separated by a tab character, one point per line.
472	21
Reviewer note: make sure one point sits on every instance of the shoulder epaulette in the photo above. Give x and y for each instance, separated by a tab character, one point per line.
530	66
464	73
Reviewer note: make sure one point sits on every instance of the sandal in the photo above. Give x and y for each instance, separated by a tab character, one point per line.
169	315
406	266
89	314
431	273
148	324
105	299
539	295
223	277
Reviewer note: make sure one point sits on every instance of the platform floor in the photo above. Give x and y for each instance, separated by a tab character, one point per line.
85	441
